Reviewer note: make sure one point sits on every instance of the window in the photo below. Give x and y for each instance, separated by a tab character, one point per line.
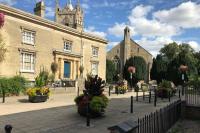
67	46
95	68
138	50
28	37
27	62
95	51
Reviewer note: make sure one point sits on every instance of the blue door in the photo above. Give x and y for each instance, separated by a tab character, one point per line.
66	69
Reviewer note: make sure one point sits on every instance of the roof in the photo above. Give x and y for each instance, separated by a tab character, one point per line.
7	10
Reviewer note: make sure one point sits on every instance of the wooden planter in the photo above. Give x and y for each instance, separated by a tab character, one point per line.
38	99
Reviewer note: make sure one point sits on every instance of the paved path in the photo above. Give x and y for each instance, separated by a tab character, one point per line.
59	114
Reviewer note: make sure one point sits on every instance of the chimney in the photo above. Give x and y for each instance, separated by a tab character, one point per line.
39	10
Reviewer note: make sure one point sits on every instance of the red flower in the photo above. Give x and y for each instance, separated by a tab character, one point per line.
131	69
1	20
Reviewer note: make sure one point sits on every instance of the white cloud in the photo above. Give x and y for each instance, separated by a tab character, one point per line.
149	27
111	45
140	11
92	30
118	30
194	45
8	2
154	45
85	6
186	15
50	12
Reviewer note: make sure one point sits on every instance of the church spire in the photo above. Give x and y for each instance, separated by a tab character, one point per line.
69	5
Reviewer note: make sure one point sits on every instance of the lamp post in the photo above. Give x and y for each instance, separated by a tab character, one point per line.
183	69
131	70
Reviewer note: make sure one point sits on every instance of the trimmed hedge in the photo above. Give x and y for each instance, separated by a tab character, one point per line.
13	86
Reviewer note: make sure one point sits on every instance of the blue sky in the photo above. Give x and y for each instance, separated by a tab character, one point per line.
153	23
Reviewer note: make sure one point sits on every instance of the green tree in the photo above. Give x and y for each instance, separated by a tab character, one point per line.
141	69
159	69
197	56
110	71
170	51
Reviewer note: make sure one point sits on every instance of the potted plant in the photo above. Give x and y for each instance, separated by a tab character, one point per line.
92	95
39	93
164	89
121	87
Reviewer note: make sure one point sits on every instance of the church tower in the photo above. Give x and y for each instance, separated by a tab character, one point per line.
70	16
126	45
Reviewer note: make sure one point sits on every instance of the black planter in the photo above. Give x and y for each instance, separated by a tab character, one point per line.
38	99
82	110
163	93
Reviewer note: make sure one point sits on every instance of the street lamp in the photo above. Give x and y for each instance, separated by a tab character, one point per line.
131	70
183	69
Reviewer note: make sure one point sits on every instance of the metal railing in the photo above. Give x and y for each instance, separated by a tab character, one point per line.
192	96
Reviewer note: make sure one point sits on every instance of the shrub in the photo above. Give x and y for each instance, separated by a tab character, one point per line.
98	103
42	79
13	86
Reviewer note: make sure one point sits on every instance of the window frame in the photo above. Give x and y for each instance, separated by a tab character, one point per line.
95	51
97	68
31	36
22	62
70	44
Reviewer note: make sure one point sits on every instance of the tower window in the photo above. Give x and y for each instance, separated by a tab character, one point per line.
138	50
67	46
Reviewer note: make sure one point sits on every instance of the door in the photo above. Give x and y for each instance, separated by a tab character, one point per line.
66	69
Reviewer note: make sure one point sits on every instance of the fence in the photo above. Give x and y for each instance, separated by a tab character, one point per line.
160	121
192	96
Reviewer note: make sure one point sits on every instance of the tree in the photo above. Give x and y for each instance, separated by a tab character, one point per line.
141	69
170	51
197	56
159	69
110	71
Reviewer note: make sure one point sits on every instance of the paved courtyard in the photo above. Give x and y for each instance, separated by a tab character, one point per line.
59	114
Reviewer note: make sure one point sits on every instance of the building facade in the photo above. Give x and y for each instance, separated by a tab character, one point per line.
34	42
128	48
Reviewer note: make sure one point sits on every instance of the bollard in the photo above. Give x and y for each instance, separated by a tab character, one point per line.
78	92
131	104
8	128
150	97
169	96
155	98
137	96
3	91
179	93
109	91
88	114
143	95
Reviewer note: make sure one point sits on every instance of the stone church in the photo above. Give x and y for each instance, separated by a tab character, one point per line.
32	42
128	48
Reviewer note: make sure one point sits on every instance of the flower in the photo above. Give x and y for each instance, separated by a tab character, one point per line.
131	69
1	20
38	91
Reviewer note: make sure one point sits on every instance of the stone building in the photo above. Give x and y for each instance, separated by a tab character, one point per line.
128	48
34	42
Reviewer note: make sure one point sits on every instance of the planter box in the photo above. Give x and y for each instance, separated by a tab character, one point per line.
38	99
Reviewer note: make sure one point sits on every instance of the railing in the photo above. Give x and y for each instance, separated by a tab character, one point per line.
160	121
192	96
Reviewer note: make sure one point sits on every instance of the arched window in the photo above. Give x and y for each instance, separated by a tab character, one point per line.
117	64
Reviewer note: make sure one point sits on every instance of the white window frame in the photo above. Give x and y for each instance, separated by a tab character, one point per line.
28	37
96	68
22	62
69	44
95	51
